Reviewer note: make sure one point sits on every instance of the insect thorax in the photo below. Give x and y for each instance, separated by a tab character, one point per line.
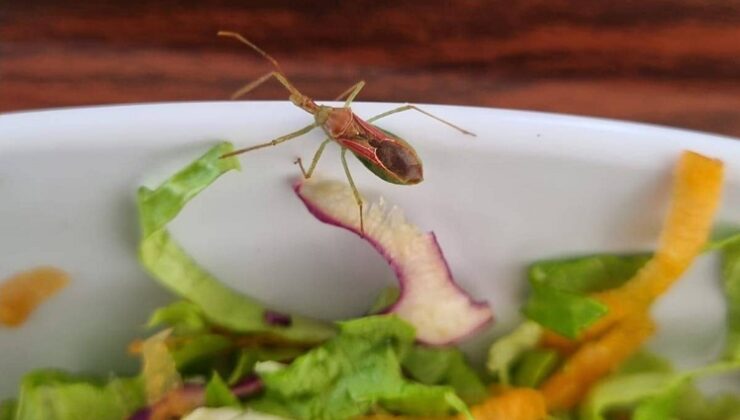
337	122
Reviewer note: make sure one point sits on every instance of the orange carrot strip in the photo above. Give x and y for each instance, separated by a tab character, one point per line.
159	370
21	294
594	360
557	342
511	404
696	195
504	404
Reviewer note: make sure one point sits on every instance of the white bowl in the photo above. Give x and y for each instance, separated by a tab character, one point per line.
530	186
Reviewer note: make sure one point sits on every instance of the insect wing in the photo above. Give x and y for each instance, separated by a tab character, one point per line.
384	154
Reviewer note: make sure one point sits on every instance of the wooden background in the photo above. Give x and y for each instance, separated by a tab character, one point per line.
660	61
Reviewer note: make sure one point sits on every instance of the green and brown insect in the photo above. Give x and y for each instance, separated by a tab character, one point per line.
386	155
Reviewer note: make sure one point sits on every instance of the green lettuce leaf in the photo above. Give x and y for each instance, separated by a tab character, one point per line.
643	362
654	394
534	367
7	409
507	350
723	235
218	393
731	280
642	374
173	268
664	403
623	391
558	298
588	274
423	400
445	366
54	395
352	374
183	317
565	313
695	406
387	297
199	352
249	357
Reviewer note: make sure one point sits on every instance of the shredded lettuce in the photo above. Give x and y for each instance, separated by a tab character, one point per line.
507	350
7	409
648	386
695	406
642	375
353	373
587	274
558	300
183	317
445	366
643	362
218	393
385	299
54	395
173	268
723	235
731	280
622	392
249	357
199	352
534	367
662	402
563	312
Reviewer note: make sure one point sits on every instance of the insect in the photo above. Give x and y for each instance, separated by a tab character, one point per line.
385	154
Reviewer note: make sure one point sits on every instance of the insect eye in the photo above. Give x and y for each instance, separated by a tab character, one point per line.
402	162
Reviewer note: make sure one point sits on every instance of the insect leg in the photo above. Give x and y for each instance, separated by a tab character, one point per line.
355	192
277	74
273	142
353	91
255	83
252	85
314	161
408	107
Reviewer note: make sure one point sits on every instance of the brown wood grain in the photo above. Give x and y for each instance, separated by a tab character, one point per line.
660	61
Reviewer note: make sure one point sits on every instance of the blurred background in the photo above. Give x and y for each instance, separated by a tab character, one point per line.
660	61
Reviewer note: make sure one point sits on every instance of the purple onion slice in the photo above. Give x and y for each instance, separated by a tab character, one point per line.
440	310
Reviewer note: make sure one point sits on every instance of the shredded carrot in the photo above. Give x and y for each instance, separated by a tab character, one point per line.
696	195
557	342
503	404
21	294
511	404
594	360
134	347
177	403
605	345
159	370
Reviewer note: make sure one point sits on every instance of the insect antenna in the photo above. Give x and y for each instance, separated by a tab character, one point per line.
296	96
251	45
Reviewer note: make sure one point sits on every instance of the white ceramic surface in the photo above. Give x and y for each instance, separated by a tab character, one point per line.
530	186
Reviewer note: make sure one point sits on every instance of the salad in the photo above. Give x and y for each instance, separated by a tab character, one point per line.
217	354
